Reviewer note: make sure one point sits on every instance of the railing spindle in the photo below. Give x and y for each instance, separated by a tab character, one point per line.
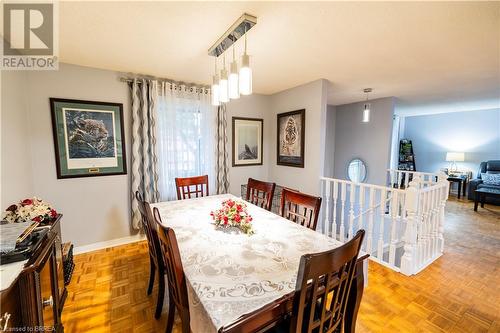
430	226
351	210
430	218
342	216
444	196
334	219
361	206
327	208
424	212
380	245
369	234
437	214
393	239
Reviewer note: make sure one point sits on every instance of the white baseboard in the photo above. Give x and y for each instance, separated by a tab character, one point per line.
109	243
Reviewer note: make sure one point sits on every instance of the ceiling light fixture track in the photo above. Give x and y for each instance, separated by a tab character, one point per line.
235	32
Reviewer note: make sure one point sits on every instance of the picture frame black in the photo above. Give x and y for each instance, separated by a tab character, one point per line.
292	159
88	166
236	160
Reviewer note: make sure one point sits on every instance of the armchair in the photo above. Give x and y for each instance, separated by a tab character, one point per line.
492	166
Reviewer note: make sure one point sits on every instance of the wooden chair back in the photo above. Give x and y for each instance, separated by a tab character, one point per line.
173	266
149	228
260	193
322	288
300	208
191	187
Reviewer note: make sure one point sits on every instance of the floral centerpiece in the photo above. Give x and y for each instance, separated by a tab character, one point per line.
233	214
31	209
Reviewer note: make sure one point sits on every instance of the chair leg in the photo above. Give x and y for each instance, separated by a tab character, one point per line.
161	293
152	272
171	314
186	328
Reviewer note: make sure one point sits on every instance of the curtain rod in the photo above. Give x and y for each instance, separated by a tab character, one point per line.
195	85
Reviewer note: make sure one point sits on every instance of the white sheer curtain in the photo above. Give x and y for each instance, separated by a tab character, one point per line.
185	136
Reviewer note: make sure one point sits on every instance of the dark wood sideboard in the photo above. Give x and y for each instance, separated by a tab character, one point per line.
35	300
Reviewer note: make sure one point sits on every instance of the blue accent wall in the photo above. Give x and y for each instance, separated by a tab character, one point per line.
476	133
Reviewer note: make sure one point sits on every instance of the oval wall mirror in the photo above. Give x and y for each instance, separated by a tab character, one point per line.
356	170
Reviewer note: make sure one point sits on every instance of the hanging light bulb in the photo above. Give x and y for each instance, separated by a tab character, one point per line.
245	72
366	113
223	84
366	110
215	91
215	87
234	90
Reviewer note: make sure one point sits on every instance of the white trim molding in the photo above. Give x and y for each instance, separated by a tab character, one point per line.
109	243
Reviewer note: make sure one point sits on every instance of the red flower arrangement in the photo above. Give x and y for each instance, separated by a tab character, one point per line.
31	209
233	214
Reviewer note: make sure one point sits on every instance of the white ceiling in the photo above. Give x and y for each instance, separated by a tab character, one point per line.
430	55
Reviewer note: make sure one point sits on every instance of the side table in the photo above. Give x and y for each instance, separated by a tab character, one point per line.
462	184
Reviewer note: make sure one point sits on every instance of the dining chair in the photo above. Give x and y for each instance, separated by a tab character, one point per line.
260	193
155	257
186	187
300	208
178	297
322	288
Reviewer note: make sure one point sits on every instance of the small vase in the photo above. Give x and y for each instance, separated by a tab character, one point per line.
230	230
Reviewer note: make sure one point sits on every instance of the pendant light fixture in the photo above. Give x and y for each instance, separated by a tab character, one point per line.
215	87
234	89
245	73
367	106
223	85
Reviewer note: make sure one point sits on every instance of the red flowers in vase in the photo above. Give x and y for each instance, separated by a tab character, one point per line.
233	214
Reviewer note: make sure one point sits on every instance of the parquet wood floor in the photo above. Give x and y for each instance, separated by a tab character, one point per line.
459	292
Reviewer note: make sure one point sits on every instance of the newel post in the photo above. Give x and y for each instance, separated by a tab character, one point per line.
443	197
409	259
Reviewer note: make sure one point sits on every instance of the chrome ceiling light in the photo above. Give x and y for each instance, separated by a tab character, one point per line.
367	106
245	73
238	82
223	85
215	87
234	89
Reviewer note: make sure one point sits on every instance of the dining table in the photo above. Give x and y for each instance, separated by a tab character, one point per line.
245	283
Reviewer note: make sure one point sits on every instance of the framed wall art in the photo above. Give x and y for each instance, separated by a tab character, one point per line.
88	138
291	138
247	141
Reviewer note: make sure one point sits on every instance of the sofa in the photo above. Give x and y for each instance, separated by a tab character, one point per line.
492	166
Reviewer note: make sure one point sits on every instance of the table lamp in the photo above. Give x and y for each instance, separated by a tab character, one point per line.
454	157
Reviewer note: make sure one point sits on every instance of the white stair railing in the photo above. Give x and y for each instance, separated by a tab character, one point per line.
403	224
401	178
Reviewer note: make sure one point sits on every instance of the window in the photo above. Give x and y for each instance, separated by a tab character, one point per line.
186	134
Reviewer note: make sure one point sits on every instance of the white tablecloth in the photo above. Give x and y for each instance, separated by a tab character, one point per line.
230	274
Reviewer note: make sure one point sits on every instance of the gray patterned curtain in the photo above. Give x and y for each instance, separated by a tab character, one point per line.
221	162
144	159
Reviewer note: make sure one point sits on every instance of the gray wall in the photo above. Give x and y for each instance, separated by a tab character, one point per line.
330	141
312	98
369	141
95	209
16	149
476	133
253	106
